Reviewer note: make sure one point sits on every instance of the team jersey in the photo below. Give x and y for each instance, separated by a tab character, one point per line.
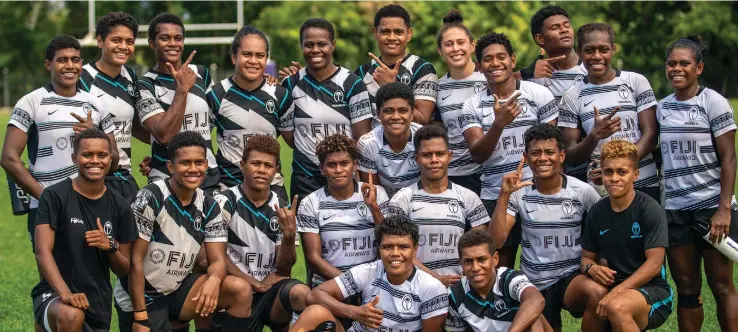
156	94
405	306
46	118
395	170
118	96
442	219
253	231
560	81
322	109
346	228
629	91
414	72
175	234
538	106
468	311
691	164
240	114
552	227
451	97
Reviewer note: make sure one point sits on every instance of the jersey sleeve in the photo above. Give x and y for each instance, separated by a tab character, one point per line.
147	105
588	197
476	214
360	107
513	204
227	209
125	224
357	278
426	82
399	204
720	114
307	216
106	118
454	321
287	120
468	117
367	153
590	233
645	98
548	108
569	109
24	112
215	228
433	299
654	225
286	112
145	209
514	283
48	209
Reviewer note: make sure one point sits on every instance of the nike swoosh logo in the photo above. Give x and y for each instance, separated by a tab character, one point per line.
326	218
444	98
531	211
486	114
50	113
603	232
383	165
418	209
587	104
296	98
161	95
100	95
665	116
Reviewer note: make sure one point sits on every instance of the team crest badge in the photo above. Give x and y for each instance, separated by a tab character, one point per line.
362	209
694	113
453	206
568	207
303	129
130	90
479	86
108	227
407	302
578	79
274	224
405	78
334	245
338	96
87	108
234	256
665	147
198	222
623	92
421	240
500	304
636	229
62	143
270	106
156	256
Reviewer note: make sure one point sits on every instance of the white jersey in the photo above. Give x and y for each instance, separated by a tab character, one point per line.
468	311
346	228
253	231
451	97
552	227
405	306
395	170
629	91
442	219
46	118
691	164
538	106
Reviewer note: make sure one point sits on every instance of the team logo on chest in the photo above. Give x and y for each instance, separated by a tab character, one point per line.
62	143
623	92
500	304
270	106
235	256
479	86
338	96
523	105
578	79
130	90
405	78
156	256
334	245
407	302
636	229
108	227
453	206
303	129
198	222
87	108
694	113
362	210
274	224
568	207
451	124
421	240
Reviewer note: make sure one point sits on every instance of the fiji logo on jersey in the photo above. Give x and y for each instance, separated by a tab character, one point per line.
568	207
198	222
623	92
157	256
108	227
636	229
130	90
338	96
234	256
303	129
274	224
362	210
421	240
479	86
407	302
62	143
334	245
578	79
695	113
405	78
270	106
500	304
453	206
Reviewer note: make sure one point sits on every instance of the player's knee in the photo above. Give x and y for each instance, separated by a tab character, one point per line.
595	292
617	309
689	301
687	284
318	312
297	296
70	318
240	294
722	289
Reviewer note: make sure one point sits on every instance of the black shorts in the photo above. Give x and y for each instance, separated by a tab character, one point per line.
41	305
163	309
472	182
661	300
513	238
261	307
654	192
303	185
124	184
554	296
682	233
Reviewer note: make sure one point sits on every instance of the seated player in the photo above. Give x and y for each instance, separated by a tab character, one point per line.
387	153
551	210
336	222
489	299
628	230
261	238
394	293
442	209
83	230
175	218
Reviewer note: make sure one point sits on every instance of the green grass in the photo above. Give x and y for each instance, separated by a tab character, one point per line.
18	273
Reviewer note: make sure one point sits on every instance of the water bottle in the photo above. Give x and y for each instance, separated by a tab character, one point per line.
18	197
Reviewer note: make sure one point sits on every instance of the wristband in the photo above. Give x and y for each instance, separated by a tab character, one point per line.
113	246
142	322
586	269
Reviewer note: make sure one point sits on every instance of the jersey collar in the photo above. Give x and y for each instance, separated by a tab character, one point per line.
174	195
420	185
517	87
617	74
247	200
50	88
233	84
328	194
391	65
564	182
386	142
100	72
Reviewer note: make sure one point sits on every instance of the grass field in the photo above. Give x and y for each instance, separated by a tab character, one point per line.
18	273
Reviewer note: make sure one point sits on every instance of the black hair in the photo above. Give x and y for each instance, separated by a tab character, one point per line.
394	90
247	31
59	43
162	19
536	22
490	39
336	143
544	131
88	134
184	139
427	133
261	143
399	225
475	238
319	23
694	43
593	27
392	10
111	20
452	20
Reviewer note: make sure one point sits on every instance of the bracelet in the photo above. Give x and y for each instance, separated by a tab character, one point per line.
142	310
113	246
142	322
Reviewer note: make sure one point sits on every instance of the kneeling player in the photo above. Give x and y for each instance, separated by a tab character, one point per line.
175	218
395	294
629	230
489	299
261	238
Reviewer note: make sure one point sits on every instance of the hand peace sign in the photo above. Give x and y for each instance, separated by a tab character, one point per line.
383	74
185	76
511	182
607	125
507	112
83	124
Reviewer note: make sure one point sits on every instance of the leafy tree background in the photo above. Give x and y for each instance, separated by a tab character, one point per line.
643	31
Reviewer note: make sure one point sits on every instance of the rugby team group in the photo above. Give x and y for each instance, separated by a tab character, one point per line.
411	192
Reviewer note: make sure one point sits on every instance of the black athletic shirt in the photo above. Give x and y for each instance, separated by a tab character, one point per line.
84	269
622	238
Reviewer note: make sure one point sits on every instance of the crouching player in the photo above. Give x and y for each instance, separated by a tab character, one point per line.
487	299
629	230
261	238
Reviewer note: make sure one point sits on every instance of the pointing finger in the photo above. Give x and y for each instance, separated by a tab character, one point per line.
497	100
609	116
371	179
379	62
542	53
514	97
189	59
79	118
556	58
398	64
99	226
293	207
89	116
597	112
520	165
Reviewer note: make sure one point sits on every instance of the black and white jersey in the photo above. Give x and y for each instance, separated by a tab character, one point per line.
538	106
552	227
395	170
691	164
468	311
629	91
175	234
405	306
157	92
240	114
442	219
253	231
414	72
346	228
451	97
118	96
322	109
46	118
